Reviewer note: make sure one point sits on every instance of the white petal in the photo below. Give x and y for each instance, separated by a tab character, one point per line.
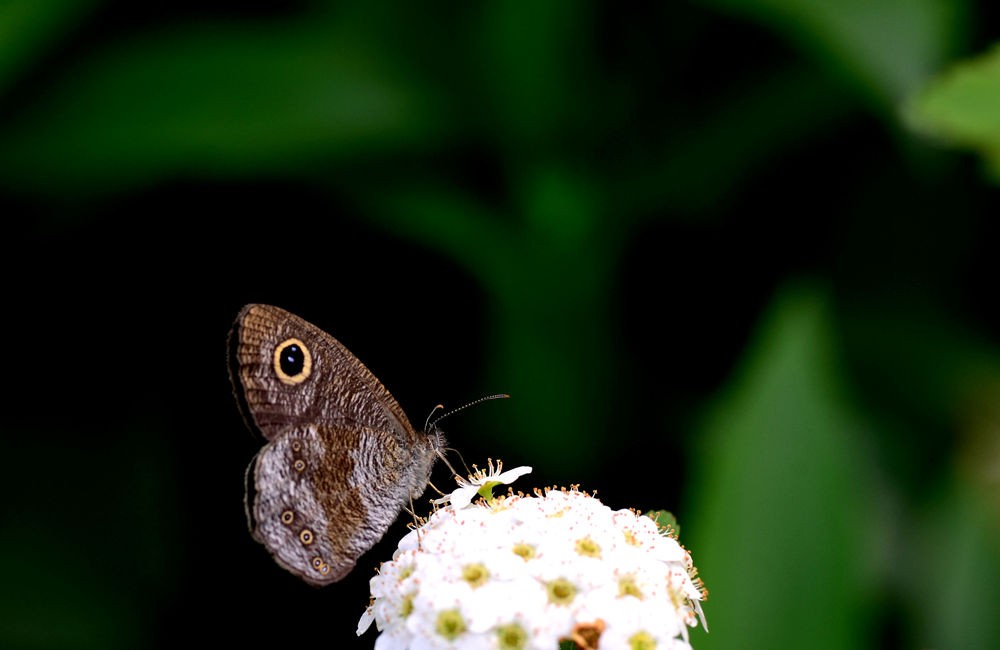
366	620
512	474
463	496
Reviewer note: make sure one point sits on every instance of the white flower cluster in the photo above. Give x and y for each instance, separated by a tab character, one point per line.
524	572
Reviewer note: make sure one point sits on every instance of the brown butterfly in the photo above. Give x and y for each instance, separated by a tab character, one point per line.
341	460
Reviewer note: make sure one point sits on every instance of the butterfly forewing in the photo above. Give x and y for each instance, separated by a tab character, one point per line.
336	389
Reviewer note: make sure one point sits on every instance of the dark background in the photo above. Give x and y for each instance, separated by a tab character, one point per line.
695	241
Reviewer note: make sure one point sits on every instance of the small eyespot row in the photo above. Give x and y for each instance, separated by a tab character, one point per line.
320	565
287	517
299	465
296	445
306	536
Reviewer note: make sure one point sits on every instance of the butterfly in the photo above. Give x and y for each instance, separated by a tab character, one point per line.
341	458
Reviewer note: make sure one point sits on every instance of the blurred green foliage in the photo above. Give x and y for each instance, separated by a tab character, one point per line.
784	477
963	106
837	481
885	50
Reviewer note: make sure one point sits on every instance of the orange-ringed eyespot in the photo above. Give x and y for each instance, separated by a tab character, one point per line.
292	361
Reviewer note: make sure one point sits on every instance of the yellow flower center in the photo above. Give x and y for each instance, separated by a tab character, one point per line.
450	624
588	547
526	551
627	587
475	574
406	608
512	637
561	591
641	641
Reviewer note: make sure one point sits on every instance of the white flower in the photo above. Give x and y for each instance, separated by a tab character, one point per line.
524	572
481	482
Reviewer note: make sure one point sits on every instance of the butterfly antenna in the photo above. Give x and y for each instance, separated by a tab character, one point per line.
427	422
430	424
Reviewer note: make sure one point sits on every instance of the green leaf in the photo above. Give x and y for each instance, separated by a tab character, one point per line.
779	485
29	27
962	106
534	50
233	100
885	49
952	577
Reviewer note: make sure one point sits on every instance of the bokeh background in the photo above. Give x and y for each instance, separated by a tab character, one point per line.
737	260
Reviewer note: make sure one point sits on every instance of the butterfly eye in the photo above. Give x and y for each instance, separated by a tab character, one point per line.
292	361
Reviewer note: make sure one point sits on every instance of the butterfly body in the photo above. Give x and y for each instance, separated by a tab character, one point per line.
341	460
